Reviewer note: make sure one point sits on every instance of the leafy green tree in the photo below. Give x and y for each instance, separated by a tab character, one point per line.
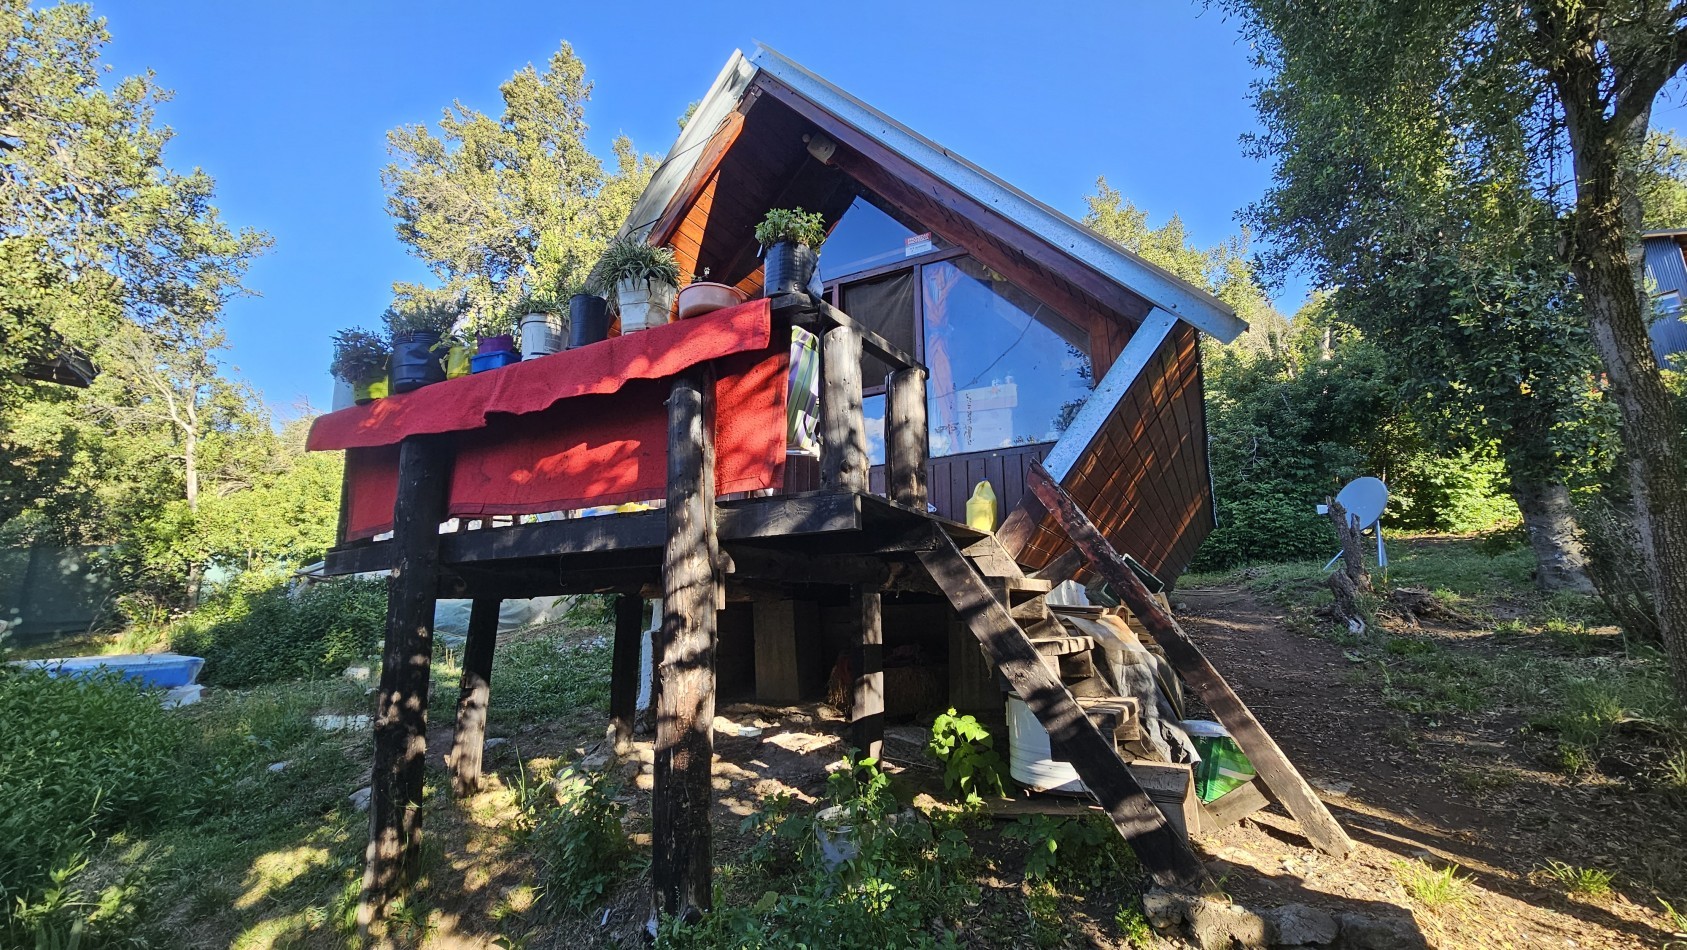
1663	182
498	205
106	247
1552	96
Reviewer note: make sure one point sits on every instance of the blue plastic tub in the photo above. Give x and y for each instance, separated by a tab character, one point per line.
165	670
481	362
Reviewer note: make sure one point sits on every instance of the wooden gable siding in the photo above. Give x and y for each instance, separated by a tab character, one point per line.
756	160
1144	478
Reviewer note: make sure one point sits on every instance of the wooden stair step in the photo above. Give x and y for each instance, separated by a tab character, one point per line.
1033	612
1061	646
1024	585
1117	716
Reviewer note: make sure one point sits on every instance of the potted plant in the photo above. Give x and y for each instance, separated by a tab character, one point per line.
706	296
588	318
496	346
418	326
360	361
790	239
538	317
459	349
644	279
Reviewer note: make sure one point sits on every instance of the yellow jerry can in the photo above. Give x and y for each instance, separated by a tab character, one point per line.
981	508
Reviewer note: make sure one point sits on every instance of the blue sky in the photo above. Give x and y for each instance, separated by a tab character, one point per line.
287	106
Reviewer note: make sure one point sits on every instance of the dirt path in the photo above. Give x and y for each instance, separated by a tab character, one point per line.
1408	788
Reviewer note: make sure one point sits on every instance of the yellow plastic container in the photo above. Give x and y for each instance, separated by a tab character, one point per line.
981	508
371	389
457	361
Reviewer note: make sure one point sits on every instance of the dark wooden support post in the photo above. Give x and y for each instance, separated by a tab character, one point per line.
623	670
1273	766
867	712
685	656
395	801
473	696
907	441
1072	736
843	451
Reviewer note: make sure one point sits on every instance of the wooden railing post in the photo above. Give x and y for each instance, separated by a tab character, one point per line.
907	441
685	656
843	451
473	696
401	719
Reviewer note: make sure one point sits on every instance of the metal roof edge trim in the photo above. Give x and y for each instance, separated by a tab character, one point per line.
723	97
1139	349
1158	286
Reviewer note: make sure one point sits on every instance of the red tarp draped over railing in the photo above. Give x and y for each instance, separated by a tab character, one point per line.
575	429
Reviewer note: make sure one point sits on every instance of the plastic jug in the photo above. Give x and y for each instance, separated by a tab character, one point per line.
981	508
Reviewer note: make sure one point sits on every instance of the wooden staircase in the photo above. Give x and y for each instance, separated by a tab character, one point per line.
1049	668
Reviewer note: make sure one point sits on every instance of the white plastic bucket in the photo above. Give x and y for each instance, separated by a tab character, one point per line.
1029	760
643	304
541	335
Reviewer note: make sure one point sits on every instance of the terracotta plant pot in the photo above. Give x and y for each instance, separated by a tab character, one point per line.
706	296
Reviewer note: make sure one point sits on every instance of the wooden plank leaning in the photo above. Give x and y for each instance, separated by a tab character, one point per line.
1273	766
1072	737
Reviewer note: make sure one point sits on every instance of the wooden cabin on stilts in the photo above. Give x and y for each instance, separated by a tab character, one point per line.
804	463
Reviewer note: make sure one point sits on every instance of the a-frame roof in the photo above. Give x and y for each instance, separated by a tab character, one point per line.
1082	246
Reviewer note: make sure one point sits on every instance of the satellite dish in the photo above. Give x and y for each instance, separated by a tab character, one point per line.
1363	499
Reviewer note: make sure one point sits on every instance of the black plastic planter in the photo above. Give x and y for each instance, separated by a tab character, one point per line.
415	361
788	269
588	319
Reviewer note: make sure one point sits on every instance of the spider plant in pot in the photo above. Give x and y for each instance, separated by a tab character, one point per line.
419	326
644	279
538	316
360	362
790	239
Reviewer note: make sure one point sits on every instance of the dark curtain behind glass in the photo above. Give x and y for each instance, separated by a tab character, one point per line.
884	305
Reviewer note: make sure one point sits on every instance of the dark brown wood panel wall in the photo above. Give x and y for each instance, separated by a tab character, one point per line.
951	479
1144	480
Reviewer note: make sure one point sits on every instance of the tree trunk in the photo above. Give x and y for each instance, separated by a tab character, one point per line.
1352	579
1550	520
1606	263
190	463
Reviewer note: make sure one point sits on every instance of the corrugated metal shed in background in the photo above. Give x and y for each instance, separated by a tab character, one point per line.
1667	270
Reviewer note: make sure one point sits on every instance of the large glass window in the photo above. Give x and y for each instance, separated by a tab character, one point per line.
1005	370
863	238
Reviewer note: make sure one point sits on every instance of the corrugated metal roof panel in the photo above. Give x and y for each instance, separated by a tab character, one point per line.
1664	264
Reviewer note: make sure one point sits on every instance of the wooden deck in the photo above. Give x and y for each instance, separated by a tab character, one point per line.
819	537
